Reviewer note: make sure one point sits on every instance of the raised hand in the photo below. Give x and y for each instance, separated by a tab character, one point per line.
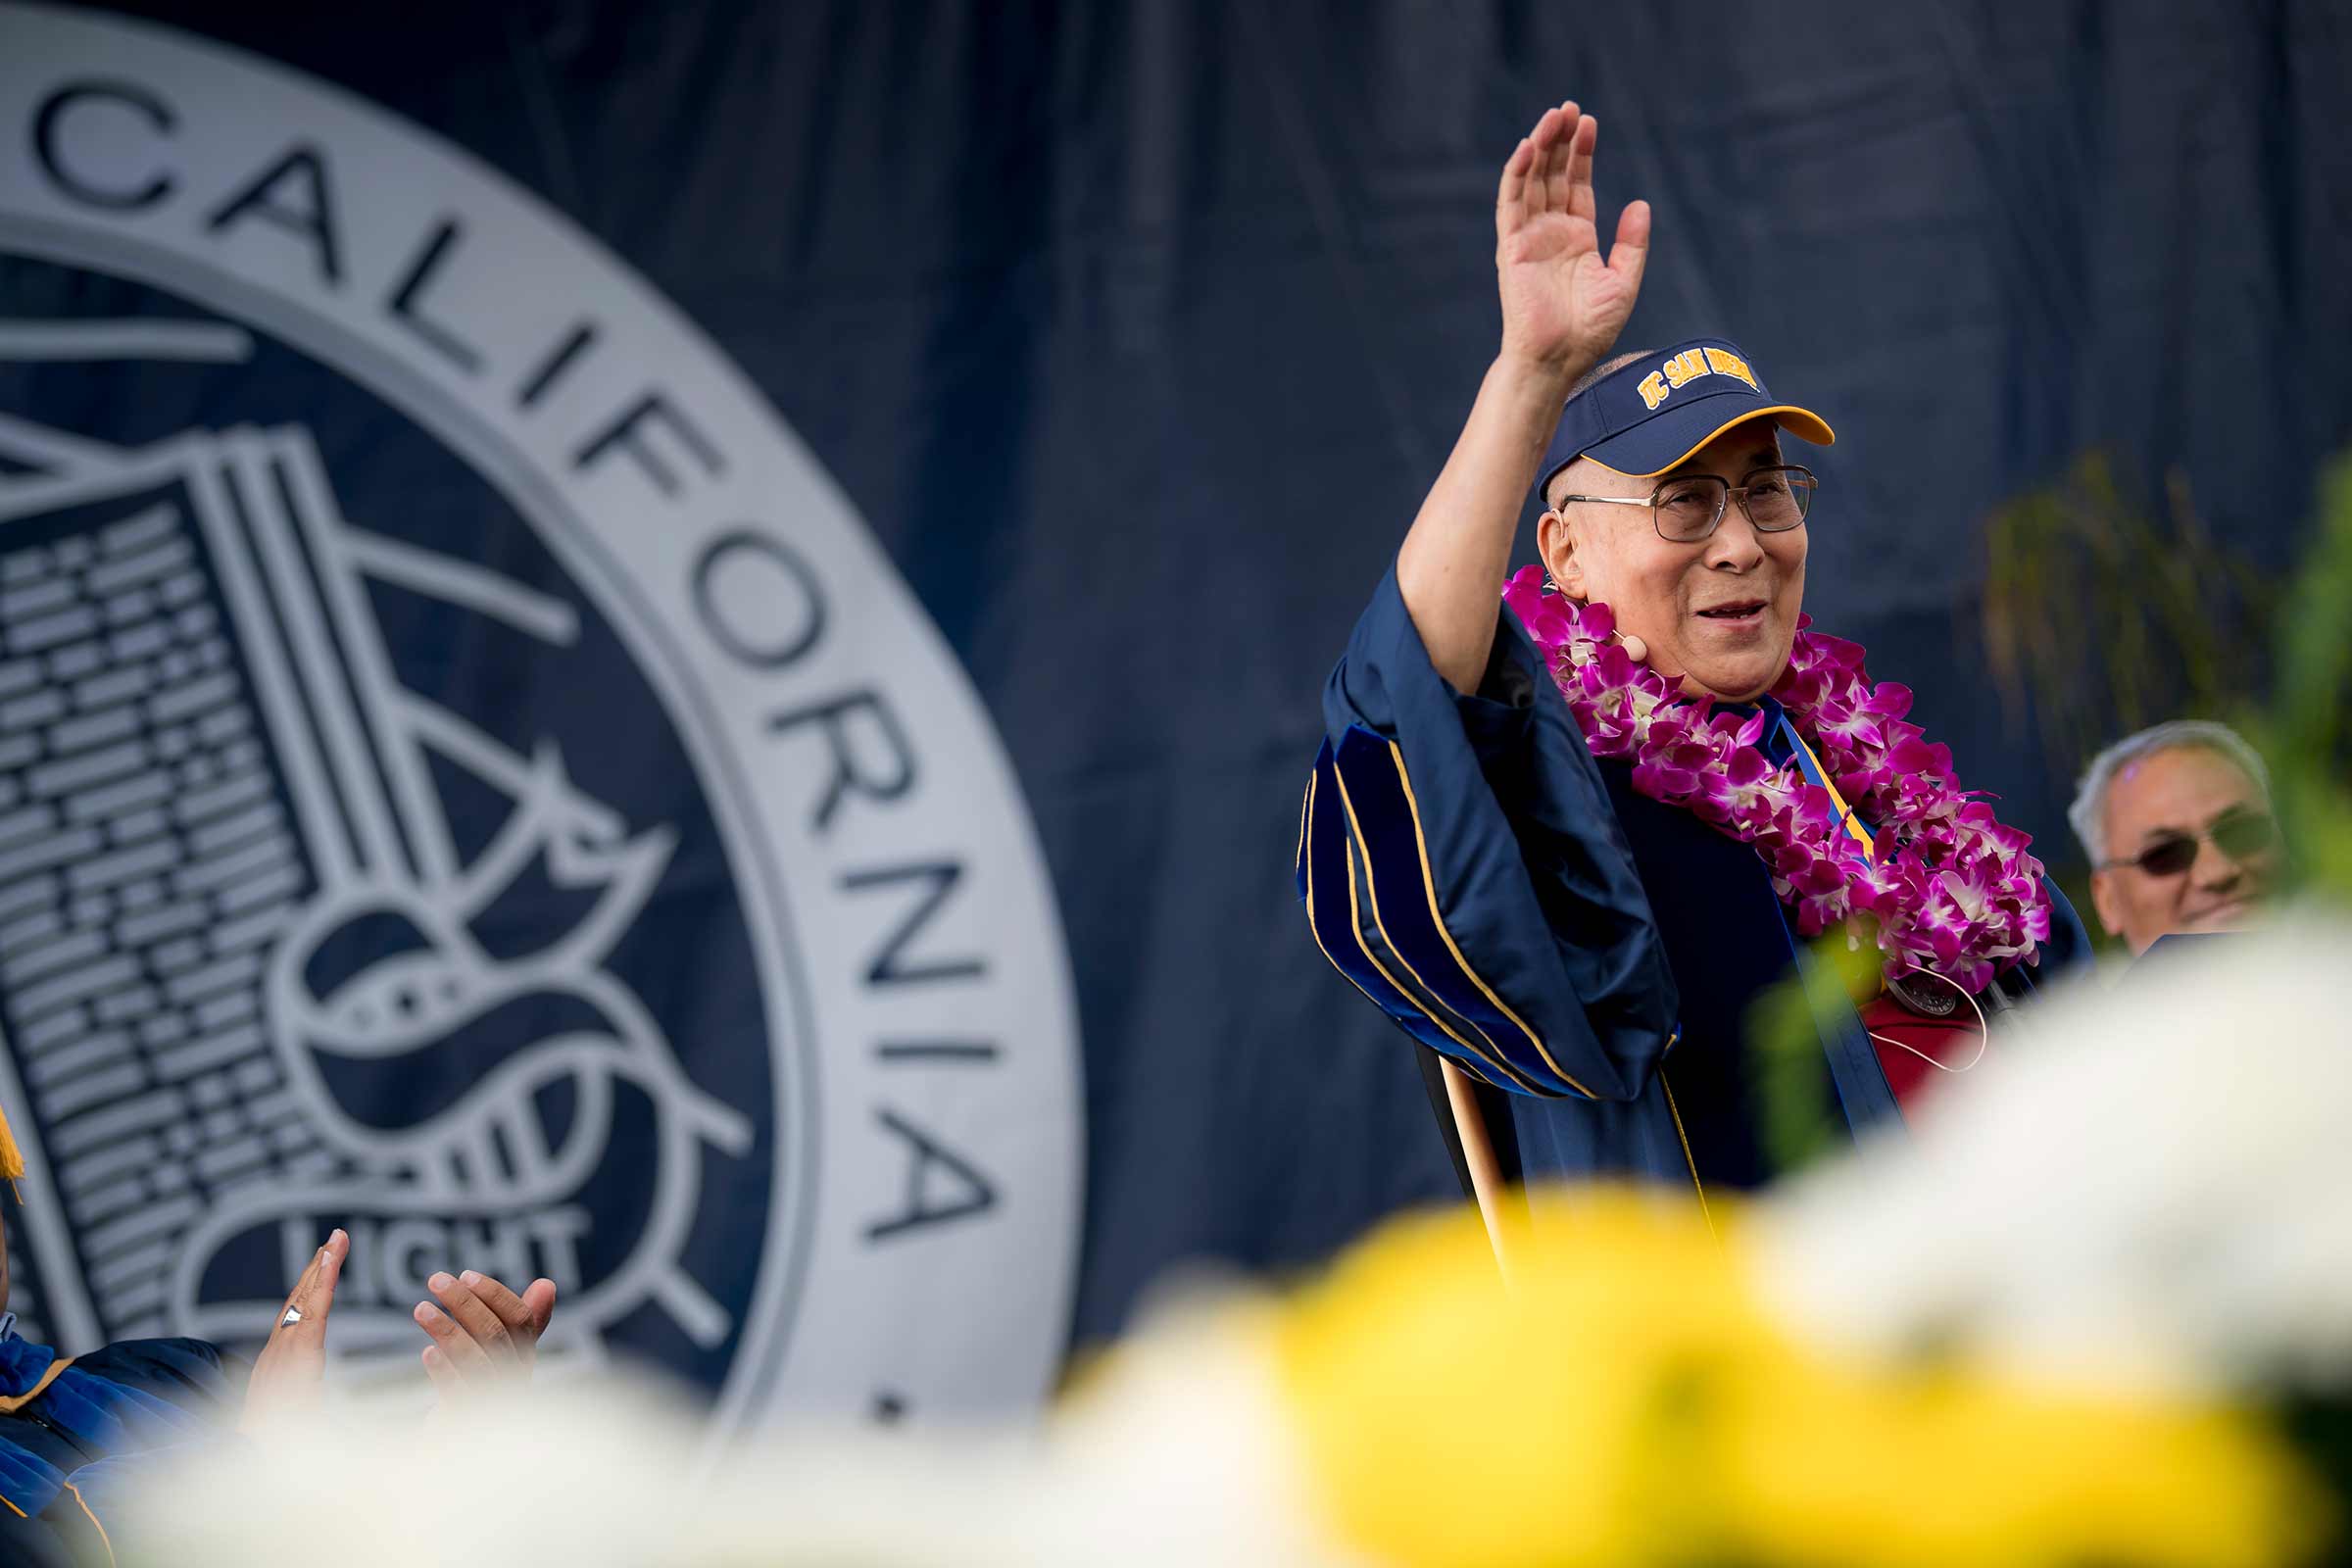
1562	309
289	1373
1563	304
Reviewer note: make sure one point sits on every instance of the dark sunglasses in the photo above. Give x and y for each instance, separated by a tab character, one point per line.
2241	837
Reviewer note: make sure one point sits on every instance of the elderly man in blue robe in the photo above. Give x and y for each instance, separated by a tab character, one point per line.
1566	864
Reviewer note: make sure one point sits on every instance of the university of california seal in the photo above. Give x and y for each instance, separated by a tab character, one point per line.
467	775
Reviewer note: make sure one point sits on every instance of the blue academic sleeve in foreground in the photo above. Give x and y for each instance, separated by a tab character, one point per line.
1462	865
79	1433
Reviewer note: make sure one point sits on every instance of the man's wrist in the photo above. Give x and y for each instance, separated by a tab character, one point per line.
1538	383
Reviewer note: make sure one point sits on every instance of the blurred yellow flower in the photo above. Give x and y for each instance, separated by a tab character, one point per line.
1628	1402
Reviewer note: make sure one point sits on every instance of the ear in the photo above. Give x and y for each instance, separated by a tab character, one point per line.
2108	901
1555	544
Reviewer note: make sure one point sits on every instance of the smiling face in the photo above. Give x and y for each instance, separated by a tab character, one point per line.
1722	610
2181	793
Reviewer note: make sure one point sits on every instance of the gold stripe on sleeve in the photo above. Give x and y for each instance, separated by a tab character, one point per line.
1316	931
13	1403
1430	887
88	1513
1307	803
1685	1137
1489	1054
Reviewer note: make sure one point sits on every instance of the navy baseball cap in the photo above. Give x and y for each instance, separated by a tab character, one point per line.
1652	415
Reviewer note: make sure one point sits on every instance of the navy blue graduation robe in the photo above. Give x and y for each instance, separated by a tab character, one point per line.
75	1429
1515	906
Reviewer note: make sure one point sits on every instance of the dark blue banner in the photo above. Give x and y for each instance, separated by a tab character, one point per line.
677	645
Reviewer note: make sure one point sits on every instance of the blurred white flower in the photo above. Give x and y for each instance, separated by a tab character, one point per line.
2149	1188
1177	1458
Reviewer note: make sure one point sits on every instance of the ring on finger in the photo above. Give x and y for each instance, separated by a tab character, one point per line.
293	1315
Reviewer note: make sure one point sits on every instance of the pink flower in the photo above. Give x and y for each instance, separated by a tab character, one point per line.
1609	674
1889	701
1524	593
1917	757
1943	885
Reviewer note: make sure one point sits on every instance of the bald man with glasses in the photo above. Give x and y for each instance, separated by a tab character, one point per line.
2177	823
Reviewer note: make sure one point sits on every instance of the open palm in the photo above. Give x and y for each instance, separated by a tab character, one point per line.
1562	302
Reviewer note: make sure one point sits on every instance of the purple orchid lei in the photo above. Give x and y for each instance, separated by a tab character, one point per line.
1945	887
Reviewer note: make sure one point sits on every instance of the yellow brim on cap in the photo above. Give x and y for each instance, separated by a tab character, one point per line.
1802	423
12	1158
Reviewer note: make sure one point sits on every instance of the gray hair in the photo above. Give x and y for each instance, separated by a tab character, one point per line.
2088	813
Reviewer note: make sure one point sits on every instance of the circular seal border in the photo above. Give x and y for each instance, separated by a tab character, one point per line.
269	288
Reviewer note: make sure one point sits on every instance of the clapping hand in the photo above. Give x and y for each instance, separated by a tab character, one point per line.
291	1370
1563	304
484	1335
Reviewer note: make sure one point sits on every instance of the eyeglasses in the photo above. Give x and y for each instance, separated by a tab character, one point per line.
1687	510
2241	836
